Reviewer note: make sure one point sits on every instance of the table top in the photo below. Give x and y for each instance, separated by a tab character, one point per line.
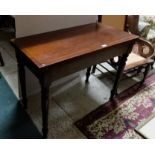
57	46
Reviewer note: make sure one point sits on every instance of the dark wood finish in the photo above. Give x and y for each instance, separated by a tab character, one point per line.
94	68
1	60
99	18
122	63
131	24
53	55
45	99
21	75
7	21
7	26
147	67
88	74
139	59
51	48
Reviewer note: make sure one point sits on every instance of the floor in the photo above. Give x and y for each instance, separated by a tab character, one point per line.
15	123
71	98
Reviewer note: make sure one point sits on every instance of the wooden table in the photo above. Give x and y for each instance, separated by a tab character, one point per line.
53	55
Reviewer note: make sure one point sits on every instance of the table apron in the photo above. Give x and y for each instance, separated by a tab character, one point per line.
65	68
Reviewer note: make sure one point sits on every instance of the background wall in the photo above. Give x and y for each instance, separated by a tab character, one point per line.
33	24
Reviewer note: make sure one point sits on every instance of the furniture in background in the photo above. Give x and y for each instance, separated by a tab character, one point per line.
56	54
7	23
141	57
7	30
111	20
146	28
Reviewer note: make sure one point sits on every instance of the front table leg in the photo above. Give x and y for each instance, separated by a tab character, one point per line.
22	83
1	60
88	74
120	70
44	106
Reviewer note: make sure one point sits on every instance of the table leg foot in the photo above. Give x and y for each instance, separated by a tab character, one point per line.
112	96
23	105
45	133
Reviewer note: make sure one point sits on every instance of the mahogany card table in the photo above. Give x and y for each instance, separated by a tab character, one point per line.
52	55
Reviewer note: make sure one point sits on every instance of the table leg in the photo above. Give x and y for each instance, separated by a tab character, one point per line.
44	106
88	74
94	68
22	83
120	70
1	60
145	73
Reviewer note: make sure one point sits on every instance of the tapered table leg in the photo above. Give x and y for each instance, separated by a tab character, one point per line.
94	68
122	63
22	83
145	73
88	74
44	106
1	60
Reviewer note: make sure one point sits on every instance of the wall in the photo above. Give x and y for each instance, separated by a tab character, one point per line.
29	25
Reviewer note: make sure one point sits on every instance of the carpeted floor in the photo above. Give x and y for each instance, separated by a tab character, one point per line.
14	121
118	118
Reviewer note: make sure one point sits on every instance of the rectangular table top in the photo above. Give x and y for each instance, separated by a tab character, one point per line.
57	46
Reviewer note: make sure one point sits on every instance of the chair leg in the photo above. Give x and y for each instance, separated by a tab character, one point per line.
88	74
145	73
152	65
1	60
94	68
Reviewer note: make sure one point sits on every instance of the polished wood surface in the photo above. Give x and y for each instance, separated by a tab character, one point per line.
53	55
50	48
